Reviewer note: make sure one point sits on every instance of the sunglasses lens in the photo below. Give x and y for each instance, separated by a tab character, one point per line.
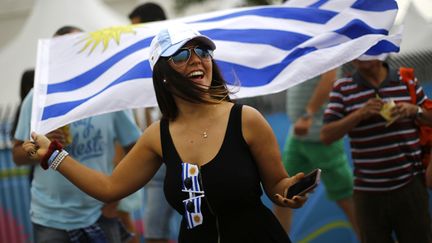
203	53
181	56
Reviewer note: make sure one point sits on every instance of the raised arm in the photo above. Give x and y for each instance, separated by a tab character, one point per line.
265	150
318	98
133	172
321	92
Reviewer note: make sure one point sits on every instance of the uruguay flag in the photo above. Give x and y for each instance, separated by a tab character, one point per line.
261	50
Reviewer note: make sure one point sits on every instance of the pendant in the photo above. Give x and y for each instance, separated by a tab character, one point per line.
204	134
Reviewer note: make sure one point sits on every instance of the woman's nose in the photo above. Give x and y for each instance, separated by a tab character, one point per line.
194	57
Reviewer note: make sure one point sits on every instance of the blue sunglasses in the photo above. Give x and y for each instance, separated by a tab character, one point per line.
182	56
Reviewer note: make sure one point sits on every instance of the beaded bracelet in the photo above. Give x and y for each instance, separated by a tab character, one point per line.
58	159
54	145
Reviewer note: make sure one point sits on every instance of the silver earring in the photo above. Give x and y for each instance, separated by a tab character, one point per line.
164	80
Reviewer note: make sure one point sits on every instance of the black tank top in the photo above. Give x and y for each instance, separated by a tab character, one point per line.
231	208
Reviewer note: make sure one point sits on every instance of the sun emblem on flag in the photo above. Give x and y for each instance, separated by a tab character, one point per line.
104	36
193	171
197	219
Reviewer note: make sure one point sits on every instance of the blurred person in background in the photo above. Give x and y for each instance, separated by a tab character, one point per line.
305	152
27	81
59	211
373	107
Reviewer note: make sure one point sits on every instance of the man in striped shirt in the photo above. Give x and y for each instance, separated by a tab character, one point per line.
389	187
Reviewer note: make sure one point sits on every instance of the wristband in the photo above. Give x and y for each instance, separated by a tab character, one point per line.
54	145
58	159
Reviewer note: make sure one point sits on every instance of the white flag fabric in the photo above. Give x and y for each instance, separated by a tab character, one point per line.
264	49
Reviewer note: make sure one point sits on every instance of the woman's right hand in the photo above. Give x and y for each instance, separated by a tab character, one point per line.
298	200
37	148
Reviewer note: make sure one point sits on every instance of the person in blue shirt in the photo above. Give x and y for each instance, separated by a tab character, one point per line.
59	211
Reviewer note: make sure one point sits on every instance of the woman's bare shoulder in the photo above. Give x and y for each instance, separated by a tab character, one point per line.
253	124
250	114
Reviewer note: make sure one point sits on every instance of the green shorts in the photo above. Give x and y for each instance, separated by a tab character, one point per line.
304	156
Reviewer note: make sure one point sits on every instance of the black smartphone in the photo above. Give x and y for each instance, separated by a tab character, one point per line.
306	184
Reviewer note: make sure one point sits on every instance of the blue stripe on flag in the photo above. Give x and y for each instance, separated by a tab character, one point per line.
311	15
196	184
285	40
250	77
140	70
94	73
381	47
318	4
357	28
198	205
377	6
60	109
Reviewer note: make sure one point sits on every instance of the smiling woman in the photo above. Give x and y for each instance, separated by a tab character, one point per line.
194	54
191	75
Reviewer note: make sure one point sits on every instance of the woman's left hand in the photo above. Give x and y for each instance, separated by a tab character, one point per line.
295	202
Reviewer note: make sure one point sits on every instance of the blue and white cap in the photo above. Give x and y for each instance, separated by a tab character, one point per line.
171	39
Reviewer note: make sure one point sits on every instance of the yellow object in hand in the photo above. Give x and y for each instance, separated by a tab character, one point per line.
386	112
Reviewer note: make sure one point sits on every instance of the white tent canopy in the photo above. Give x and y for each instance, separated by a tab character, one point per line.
46	17
417	30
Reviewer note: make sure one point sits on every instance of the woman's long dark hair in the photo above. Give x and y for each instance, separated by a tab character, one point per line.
167	82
